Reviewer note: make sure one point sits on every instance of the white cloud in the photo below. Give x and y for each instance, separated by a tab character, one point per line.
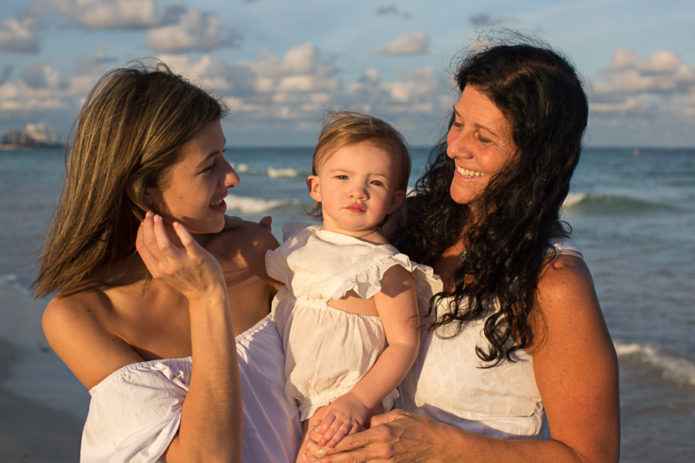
392	10
176	27
419	86
213	73
301	59
369	76
406	44
662	72
195	30
21	34
662	61
639	99
19	98
306	84
624	59
109	14
41	75
624	106
483	20
291	91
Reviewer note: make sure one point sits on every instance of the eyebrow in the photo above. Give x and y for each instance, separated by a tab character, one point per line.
478	125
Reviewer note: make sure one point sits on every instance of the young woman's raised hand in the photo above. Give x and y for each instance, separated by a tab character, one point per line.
189	268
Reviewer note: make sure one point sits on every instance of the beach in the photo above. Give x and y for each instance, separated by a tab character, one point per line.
632	214
42	406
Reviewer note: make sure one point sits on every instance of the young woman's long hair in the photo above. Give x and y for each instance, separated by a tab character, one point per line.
129	132
542	97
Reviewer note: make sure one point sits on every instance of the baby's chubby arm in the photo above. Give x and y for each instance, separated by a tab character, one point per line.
396	305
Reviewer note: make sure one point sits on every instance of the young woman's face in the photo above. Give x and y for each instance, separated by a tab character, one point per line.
480	143
194	189
357	187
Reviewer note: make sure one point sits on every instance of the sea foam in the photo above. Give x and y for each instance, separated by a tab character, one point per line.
609	204
673	367
11	281
249	205
289	172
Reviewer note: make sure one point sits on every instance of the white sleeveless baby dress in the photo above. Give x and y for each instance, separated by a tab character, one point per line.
327	350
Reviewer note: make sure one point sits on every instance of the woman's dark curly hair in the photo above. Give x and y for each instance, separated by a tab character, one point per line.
541	96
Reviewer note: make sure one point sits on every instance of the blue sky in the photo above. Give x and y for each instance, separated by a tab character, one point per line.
280	65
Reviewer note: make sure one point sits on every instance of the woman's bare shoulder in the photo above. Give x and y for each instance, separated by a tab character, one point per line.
564	276
76	331
249	240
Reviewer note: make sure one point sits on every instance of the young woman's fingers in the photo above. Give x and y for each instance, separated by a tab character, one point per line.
161	237
147	257
186	238
145	244
148	236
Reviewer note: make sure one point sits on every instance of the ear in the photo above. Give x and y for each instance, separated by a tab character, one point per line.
312	182
398	198
151	197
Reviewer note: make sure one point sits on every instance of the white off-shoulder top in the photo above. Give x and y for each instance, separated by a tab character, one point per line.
135	412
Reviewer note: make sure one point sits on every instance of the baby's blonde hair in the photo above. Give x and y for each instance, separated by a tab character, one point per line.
344	128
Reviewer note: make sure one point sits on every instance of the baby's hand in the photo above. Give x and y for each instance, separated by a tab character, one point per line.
346	415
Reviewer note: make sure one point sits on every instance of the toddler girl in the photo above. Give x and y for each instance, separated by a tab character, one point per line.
348	313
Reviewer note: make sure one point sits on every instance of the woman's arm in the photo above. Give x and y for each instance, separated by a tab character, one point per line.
210	428
577	375
575	363
396	305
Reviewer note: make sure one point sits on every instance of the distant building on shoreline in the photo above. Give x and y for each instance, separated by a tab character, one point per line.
33	135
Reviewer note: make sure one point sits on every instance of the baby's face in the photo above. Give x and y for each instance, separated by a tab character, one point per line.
357	187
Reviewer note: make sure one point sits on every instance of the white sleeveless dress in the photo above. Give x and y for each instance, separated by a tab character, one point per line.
327	350
448	384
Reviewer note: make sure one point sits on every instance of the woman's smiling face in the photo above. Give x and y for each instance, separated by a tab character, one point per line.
194	189
480	143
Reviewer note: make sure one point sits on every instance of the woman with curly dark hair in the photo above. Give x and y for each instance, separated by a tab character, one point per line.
516	362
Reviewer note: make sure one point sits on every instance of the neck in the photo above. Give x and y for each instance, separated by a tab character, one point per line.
372	235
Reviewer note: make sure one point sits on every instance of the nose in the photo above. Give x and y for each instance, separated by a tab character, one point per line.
457	143
230	178
358	190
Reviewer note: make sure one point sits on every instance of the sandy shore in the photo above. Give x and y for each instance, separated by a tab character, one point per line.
42	406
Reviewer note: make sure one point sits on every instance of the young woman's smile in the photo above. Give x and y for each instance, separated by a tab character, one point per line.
195	188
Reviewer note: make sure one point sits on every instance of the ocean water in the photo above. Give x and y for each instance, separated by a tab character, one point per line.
632	214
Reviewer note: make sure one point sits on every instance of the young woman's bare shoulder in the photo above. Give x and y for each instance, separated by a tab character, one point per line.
76	332
71	314
249	239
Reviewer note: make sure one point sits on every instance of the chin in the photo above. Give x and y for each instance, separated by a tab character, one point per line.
203	228
457	196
